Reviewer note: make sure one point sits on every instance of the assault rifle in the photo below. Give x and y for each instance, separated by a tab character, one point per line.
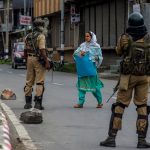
114	91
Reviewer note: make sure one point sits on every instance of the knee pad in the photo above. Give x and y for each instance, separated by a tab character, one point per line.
116	118
26	86
148	110
114	105
142	120
42	86
142	109
117	110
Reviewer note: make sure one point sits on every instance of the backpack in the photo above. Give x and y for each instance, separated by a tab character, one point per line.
31	41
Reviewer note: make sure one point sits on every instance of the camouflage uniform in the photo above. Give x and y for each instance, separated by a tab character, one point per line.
34	43
134	77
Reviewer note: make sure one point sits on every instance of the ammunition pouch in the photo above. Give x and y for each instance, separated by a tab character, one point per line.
138	69
125	67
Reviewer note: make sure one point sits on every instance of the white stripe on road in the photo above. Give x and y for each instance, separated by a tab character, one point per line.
57	84
22	75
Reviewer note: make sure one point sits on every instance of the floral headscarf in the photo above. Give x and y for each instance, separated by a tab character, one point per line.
94	49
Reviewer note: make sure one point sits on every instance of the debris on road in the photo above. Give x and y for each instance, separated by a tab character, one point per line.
33	116
8	94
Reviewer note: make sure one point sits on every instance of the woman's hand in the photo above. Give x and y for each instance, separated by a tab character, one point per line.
96	58
82	53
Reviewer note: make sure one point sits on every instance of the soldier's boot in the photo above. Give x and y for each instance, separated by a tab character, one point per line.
142	143
28	104
109	142
142	125
42	108
38	102
115	125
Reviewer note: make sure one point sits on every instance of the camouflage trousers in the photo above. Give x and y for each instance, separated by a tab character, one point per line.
138	90
35	74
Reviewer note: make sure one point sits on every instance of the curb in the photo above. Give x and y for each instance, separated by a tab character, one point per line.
19	135
6	145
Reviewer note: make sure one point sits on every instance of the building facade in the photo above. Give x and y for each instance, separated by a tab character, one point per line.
3	21
16	8
107	18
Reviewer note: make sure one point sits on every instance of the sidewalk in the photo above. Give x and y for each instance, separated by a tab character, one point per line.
5	143
13	135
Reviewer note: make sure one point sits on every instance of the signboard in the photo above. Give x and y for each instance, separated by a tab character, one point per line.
75	18
136	8
1	4
25	20
72	10
75	14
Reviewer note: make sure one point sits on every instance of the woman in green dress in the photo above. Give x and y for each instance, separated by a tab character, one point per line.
89	83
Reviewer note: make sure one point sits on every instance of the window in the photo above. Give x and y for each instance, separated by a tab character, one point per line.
20	48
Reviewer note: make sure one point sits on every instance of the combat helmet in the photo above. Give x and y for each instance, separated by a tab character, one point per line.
38	22
136	20
136	27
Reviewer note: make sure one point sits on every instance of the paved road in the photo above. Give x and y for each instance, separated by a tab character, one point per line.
66	128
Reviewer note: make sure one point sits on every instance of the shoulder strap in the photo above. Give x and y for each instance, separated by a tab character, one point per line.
33	42
128	52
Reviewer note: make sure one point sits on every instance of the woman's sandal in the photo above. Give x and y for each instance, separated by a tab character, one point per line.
78	106
99	106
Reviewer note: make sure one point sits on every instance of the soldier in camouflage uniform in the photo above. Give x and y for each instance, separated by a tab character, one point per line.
35	47
134	47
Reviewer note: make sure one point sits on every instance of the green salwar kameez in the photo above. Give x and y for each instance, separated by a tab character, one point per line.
89	84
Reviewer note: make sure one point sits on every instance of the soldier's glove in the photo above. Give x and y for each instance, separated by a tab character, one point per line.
47	65
124	41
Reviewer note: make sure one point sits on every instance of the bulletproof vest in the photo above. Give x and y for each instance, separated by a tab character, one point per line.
31	41
136	60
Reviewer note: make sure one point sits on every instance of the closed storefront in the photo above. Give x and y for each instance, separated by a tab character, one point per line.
107	20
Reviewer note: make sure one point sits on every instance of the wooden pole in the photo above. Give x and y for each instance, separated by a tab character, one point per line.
7	30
